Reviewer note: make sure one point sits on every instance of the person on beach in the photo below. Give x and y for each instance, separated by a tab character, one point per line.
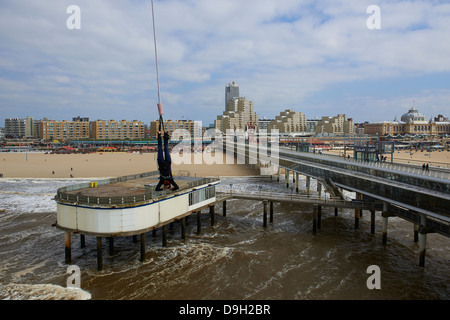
165	165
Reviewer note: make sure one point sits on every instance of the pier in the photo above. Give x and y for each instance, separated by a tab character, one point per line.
129	206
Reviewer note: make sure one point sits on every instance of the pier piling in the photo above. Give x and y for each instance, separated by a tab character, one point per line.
271	212
99	254
82	241
142	247
265	213
422	240
212	214
111	246
68	247
319	217
314	227
224	207
183	228
372	221
199	222
164	235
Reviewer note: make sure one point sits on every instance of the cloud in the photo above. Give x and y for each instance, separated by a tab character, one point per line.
282	53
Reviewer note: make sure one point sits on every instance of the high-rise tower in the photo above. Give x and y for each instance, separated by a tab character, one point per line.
231	92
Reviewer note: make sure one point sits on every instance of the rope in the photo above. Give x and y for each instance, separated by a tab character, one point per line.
160	110
156	53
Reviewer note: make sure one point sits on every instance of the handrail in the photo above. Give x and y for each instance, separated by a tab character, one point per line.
150	193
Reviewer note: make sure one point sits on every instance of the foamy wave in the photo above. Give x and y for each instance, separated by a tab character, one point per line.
41	292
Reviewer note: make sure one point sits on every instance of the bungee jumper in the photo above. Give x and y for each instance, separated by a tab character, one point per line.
164	159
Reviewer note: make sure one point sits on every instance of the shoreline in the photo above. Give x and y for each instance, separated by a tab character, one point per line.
105	165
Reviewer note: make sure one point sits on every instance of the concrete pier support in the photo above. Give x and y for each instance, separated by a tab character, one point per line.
271	212
142	247
385	216
422	240
372	221
416	232
212	214
319	217
99	254
287	178
111	246
336	211
164	236
265	213
224	207
319	189
278	174
296	181
82	241
314	226
183	228
68	246
308	184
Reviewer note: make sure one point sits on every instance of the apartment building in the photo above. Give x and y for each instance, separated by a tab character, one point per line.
239	114
193	127
289	121
19	128
338	125
63	130
117	130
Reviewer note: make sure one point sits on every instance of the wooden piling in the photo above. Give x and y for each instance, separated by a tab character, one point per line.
336	211
356	218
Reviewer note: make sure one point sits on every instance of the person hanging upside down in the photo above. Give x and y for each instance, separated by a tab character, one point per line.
165	165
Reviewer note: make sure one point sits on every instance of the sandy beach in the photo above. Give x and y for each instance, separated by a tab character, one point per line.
433	158
100	165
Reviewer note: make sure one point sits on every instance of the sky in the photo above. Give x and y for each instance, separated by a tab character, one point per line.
316	57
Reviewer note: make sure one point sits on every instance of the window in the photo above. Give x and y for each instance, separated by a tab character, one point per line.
201	195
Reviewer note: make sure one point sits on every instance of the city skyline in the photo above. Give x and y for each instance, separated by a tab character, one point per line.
317	58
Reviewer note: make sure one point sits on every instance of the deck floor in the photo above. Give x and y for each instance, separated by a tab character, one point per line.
127	188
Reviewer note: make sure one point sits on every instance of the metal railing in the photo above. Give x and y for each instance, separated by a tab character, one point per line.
150	194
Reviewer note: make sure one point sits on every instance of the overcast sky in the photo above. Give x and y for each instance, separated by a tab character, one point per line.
316	57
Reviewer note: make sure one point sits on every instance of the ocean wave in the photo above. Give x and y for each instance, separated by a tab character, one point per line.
41	292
